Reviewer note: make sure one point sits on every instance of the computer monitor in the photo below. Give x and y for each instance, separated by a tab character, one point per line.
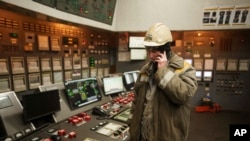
113	85
40	104
129	79
82	92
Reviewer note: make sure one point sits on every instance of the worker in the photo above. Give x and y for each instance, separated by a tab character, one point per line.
163	90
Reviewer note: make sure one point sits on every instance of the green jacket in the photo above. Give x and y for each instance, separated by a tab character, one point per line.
168	114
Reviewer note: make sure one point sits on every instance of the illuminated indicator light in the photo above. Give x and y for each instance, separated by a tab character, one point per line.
61	132
82	114
87	118
72	135
13	35
92	61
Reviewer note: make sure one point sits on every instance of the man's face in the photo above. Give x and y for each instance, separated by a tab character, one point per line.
153	53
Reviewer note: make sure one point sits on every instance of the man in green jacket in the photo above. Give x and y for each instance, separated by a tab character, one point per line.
164	88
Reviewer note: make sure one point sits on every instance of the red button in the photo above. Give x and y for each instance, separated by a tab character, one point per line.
70	119
87	118
61	132
79	119
82	114
75	121
75	117
72	135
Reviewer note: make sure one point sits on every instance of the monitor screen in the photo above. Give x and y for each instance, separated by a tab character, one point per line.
113	85
82	92
207	76
129	79
5	102
198	75
40	104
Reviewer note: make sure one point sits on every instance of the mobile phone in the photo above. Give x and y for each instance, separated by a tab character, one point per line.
167	53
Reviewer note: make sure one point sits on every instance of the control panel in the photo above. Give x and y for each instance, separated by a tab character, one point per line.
82	126
114	130
114	107
229	84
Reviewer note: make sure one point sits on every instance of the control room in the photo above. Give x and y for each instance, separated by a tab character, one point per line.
124	70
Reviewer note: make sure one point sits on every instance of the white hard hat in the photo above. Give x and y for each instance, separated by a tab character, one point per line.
157	35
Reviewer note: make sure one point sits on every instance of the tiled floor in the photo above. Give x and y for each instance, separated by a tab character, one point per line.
215	126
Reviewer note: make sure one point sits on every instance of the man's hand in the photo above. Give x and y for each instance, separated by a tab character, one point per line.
161	60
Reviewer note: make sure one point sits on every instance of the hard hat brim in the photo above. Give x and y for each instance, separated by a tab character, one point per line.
152	44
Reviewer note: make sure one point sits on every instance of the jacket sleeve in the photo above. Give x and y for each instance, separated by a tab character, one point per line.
178	87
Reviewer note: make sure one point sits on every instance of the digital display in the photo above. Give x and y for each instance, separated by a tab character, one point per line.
40	104
129	79
113	85
198	75
70	41
5	102
207	76
82	92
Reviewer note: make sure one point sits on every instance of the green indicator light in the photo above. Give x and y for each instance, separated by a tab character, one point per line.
13	35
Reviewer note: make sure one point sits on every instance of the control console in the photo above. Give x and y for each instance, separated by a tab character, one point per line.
115	106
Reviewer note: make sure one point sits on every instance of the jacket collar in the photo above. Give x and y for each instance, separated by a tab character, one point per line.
175	62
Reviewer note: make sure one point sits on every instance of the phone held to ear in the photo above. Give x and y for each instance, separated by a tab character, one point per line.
167	54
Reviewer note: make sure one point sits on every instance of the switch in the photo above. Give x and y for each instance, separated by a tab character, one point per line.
72	135
61	132
83	114
87	118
